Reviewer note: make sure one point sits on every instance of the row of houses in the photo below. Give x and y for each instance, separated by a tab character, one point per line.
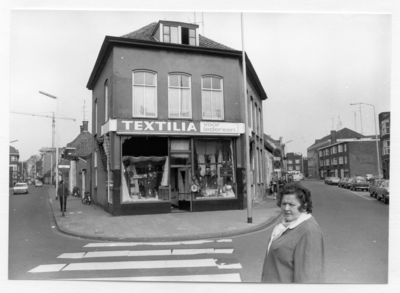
347	153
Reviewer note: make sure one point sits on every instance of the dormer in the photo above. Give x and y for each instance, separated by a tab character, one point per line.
176	33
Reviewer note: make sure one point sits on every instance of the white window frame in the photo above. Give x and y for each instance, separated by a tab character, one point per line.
320	153
297	167
340	148
144	85
340	160
95	118
386	147
106	101
290	168
345	147
178	41
95	168
385	126
345	160
334	150
327	162
297	161
250	110
222	102
290	162
180	96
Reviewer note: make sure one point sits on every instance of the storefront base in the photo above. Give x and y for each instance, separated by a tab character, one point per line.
215	205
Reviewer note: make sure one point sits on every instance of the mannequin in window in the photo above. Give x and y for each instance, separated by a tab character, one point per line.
150	182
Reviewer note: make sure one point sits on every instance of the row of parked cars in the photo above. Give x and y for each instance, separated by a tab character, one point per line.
378	188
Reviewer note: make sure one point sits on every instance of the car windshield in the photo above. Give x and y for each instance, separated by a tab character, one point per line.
20	185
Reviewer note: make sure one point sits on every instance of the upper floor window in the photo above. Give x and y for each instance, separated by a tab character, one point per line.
259	122
179	96
212	97
345	160
144	94
95	117
334	150
298	168
188	36
250	112
345	147
321	163
106	101
340	148
385	126
320	153
340	160
334	161
290	168
170	34
327	162
386	147
290	162
326	152
297	161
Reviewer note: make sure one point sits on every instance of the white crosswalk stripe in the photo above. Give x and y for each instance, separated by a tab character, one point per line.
213	263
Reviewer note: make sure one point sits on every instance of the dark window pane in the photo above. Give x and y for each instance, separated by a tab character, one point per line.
185	81
185	36
206	82
139	78
174	80
216	83
150	78
166	30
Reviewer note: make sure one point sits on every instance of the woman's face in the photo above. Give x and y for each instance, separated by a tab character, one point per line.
291	207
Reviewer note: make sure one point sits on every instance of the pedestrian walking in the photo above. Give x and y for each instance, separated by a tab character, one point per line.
62	193
273	185
295	251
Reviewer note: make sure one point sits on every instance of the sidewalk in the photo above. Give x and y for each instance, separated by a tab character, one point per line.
92	222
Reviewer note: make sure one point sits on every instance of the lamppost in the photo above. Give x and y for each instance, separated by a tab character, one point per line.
56	135
284	151
376	136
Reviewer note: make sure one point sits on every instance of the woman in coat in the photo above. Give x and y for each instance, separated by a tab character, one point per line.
295	252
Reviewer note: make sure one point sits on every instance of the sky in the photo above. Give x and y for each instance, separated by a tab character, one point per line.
313	58
312	66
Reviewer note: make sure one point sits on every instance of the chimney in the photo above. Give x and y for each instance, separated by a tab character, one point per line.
333	136
81	128
85	125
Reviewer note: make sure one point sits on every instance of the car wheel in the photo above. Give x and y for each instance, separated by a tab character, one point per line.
370	194
378	198
386	200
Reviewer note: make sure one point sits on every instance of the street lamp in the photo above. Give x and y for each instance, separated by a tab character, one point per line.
376	136
284	152
56	135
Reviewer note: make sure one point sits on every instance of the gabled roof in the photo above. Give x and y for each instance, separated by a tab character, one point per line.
14	151
84	144
341	134
146	34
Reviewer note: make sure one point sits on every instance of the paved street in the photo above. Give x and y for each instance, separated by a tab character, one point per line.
354	224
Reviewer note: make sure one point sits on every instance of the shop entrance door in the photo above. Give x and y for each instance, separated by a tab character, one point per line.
180	188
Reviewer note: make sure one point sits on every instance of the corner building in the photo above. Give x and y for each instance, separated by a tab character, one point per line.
168	119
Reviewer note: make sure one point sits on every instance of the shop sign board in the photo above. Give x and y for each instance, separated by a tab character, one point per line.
64	166
226	171
198	128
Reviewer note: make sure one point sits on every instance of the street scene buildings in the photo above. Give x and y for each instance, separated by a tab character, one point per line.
179	149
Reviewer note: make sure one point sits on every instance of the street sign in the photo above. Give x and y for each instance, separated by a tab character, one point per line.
64	166
226	171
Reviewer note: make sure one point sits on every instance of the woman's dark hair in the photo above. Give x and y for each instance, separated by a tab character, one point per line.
302	194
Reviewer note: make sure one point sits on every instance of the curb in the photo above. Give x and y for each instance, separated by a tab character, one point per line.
257	228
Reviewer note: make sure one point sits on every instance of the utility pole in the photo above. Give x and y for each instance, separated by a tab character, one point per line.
355	120
361	120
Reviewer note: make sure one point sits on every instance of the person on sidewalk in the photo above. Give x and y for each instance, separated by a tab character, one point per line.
295	251
63	187
273	187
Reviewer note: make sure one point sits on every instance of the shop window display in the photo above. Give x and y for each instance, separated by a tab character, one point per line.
214	172
144	179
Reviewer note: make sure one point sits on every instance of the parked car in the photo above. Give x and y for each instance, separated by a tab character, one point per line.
343	179
38	184
369	177
373	186
334	181
382	192
20	188
327	180
347	183
359	182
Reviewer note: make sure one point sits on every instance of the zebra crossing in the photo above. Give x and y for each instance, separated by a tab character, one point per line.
176	261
